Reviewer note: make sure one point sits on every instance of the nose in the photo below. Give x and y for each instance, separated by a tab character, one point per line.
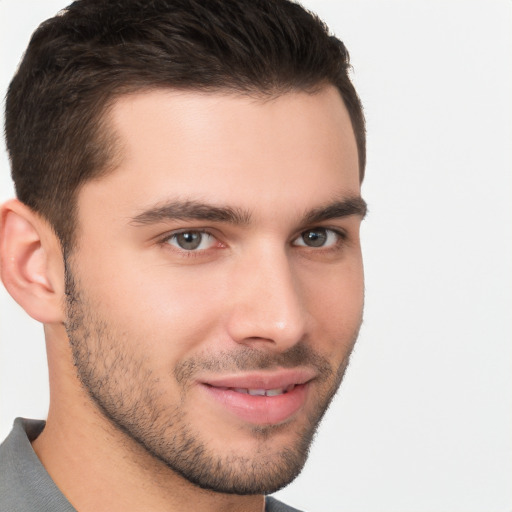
267	305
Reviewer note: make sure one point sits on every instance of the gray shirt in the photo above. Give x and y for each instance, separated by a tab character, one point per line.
25	486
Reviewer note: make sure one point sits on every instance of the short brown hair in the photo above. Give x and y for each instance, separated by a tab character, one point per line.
78	62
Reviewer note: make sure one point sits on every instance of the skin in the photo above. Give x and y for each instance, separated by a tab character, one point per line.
150	325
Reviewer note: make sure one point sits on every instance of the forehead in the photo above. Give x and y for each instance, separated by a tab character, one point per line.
249	152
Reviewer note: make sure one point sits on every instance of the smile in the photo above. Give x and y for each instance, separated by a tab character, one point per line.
260	398
260	392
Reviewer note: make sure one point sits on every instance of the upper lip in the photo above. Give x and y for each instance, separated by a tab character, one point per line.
271	379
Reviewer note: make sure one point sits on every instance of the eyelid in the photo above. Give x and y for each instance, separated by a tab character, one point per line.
174	232
164	240
340	233
333	246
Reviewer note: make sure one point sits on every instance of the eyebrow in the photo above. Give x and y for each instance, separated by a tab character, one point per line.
195	210
192	210
338	209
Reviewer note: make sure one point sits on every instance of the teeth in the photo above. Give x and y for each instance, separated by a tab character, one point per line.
256	392
275	392
264	392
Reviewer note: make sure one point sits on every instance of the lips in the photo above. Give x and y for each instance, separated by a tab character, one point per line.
260	398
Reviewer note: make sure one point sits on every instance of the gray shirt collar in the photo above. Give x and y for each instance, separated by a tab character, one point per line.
25	485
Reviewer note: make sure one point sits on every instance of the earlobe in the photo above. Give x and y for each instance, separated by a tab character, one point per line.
31	262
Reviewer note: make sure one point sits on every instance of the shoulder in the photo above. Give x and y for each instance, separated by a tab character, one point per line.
273	505
24	483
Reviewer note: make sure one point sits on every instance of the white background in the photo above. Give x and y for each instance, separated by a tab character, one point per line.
423	421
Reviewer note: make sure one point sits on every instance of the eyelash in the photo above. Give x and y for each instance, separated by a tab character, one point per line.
183	252
340	234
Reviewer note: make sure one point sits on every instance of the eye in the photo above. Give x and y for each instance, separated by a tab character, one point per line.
318	237
191	240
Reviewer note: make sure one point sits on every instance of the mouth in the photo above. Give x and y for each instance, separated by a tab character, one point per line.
259	391
260	398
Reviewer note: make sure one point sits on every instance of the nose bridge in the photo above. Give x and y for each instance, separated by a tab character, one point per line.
267	303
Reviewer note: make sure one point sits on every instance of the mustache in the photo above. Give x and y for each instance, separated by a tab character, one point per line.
250	359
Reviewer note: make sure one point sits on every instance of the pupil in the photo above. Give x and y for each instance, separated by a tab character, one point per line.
315	238
189	240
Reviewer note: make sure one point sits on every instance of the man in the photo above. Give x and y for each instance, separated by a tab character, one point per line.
187	230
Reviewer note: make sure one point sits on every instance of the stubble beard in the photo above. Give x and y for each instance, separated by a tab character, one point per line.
128	394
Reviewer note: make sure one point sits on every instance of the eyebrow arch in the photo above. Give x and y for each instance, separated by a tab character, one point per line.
195	210
191	210
344	208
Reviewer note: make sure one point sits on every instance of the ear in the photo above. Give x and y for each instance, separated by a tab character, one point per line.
31	263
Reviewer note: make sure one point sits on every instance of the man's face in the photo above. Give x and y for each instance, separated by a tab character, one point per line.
216	289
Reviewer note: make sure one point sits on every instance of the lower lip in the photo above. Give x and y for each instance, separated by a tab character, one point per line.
260	410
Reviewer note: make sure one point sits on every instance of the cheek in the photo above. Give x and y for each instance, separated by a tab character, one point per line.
159	309
336	305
